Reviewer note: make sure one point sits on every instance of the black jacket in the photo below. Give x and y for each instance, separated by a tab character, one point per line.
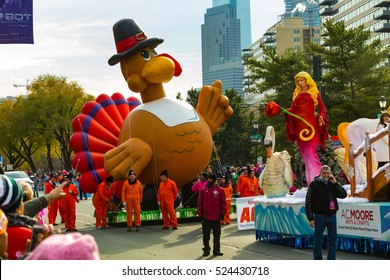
318	197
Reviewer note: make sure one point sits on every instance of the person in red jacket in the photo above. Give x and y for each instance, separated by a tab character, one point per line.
167	194
100	201
69	204
250	186
53	207
211	209
132	198
228	189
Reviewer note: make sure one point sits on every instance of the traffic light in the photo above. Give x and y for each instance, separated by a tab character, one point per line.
317	68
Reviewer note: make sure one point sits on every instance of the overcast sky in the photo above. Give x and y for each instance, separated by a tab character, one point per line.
74	39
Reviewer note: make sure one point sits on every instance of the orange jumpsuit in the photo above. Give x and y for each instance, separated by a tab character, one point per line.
132	195
69	206
100	200
54	205
242	177
228	195
249	187
167	194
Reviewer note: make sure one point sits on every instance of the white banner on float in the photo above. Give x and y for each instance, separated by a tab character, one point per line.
359	220
245	213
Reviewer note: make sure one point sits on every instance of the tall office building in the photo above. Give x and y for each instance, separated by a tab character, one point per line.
221	48
244	15
308	10
373	14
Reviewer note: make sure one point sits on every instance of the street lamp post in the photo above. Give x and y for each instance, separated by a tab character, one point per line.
382	104
256	127
256	137
12	161
62	156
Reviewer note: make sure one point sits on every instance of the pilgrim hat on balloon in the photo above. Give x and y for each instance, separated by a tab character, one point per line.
129	38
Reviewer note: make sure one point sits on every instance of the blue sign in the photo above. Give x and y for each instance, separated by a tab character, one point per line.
16	22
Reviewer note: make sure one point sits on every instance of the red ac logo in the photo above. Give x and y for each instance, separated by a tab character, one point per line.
248	214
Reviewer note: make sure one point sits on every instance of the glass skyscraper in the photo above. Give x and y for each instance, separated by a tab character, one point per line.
244	15
221	45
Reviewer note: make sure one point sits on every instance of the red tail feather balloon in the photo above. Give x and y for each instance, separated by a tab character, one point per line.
96	131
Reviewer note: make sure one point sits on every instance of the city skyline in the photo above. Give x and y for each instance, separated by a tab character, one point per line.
74	40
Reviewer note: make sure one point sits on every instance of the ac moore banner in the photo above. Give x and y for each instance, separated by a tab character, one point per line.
16	22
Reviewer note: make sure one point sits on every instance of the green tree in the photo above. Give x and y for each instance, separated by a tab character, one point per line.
275	72
232	138
28	139
9	141
178	96
354	72
192	97
53	104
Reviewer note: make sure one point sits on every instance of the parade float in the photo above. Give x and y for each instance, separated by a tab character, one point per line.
114	134
363	218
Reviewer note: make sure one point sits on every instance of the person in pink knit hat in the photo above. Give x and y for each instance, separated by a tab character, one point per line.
71	246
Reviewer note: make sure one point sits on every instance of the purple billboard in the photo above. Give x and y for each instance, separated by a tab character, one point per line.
16	22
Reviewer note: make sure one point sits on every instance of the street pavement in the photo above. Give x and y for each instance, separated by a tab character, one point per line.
153	243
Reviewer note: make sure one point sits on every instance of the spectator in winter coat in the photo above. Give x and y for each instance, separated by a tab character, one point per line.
72	246
19	227
3	236
211	209
321	206
201	183
36	181
382	145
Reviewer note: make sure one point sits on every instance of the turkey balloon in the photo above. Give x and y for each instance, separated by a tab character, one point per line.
162	133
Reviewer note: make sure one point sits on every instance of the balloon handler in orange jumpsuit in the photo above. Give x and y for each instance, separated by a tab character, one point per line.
132	198
100	201
166	196
250	185
69	204
228	190
50	185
